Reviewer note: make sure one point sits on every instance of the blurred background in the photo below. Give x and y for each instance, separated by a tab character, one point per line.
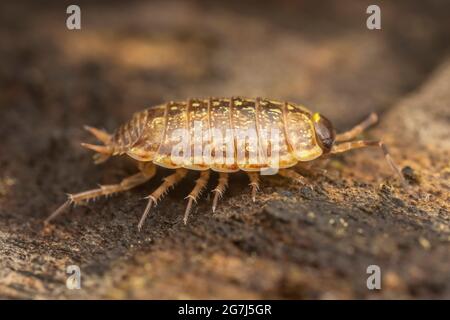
135	54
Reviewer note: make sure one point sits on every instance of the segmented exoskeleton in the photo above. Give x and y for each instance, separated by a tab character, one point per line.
237	134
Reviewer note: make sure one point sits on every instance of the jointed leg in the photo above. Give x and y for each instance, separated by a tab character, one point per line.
254	183
312	168
147	172
294	176
346	146
355	131
220	189
200	184
168	183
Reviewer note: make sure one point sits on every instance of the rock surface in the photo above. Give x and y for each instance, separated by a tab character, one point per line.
293	242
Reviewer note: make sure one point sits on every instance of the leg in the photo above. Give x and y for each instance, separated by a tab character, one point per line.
168	183
351	134
313	168
200	184
148	170
346	146
294	176
254	183
220	189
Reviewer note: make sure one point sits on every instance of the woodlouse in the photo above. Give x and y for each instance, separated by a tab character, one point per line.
302	136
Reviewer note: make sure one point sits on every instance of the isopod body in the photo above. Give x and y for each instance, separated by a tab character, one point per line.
223	135
225	125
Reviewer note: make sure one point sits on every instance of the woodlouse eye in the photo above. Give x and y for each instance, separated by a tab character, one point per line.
325	132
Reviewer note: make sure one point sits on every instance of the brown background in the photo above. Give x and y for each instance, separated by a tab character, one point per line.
291	243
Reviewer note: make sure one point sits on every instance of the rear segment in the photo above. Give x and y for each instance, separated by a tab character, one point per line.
141	137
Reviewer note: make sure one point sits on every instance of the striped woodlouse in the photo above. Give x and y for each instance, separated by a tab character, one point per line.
148	138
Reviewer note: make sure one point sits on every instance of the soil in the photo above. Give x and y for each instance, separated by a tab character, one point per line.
293	242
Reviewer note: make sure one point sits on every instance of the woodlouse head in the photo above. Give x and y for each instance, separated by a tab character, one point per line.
325	133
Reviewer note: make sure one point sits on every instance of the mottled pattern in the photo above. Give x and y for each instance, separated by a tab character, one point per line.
141	137
300	133
283	135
